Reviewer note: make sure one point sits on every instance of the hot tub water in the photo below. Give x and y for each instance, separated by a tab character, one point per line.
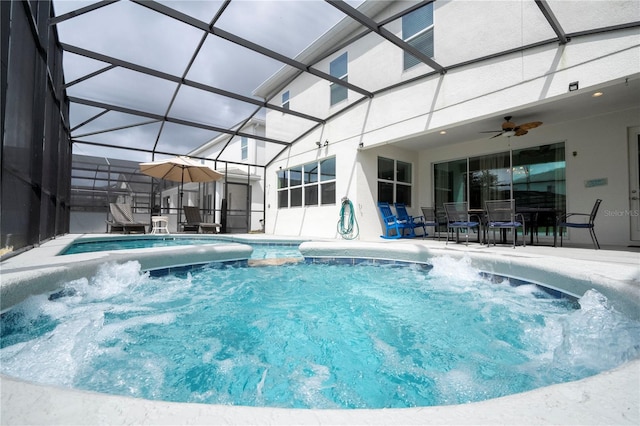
311	336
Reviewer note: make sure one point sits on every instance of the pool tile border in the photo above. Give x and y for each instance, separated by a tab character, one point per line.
184	269
494	278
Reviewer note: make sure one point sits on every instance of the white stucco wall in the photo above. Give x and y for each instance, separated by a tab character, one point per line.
601	145
463	94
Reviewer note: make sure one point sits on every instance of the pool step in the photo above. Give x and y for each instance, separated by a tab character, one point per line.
276	261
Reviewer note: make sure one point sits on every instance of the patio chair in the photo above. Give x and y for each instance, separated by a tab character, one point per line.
431	219
414	221
195	222
391	223
123	221
501	215
458	218
588	224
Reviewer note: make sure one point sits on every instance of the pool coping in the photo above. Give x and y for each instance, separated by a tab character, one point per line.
612	397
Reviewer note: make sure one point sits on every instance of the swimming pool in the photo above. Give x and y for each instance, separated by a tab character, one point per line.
608	397
261	250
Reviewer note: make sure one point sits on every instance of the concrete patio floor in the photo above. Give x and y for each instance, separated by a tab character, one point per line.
612	397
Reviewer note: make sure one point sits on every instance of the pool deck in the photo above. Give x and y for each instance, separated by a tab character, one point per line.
611	398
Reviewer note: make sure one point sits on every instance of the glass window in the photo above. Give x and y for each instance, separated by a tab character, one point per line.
311	195
283	178
285	100
328	193
328	169
394	181
539	176
385	192
295	176
403	172
244	148
310	173
300	185
403	194
338	69
283	199
385	168
296	197
450	181
417	30
489	179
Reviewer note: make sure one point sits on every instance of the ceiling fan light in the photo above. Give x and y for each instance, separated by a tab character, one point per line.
508	133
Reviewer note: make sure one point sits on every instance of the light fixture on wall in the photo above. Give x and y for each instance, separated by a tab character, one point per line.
319	144
326	142
573	86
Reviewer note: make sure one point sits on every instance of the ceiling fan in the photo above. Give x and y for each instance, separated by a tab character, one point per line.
510	128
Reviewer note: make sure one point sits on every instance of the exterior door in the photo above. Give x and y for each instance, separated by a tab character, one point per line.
238	202
634	182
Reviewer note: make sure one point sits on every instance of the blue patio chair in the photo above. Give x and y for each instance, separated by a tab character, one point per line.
588	224
413	221
391	223
458	218
501	215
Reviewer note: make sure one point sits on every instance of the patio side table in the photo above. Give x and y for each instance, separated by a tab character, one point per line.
160	225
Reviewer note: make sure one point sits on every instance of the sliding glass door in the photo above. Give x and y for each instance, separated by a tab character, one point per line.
534	177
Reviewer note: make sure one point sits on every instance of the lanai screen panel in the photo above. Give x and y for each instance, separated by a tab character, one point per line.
198	64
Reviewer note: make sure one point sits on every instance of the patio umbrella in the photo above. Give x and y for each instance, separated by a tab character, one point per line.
180	169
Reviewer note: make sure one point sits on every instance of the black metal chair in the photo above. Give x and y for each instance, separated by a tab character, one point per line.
501	215
587	223
431	219
458	218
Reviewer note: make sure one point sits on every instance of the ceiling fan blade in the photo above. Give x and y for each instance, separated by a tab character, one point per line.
492	131
499	134
529	126
521	132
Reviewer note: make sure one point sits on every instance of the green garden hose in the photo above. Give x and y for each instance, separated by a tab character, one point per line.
348	226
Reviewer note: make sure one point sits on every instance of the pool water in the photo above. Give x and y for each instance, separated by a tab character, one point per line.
260	250
311	336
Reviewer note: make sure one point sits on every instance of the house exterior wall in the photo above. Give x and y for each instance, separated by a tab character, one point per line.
601	147
230	150
463	94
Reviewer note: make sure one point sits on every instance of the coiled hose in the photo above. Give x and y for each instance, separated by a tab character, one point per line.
348	226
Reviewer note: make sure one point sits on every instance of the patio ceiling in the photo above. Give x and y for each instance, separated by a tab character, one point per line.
149	79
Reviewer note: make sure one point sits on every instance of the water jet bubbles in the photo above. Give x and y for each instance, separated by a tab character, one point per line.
596	336
113	279
455	271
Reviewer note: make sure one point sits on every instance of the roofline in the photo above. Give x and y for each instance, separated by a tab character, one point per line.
224	137
318	48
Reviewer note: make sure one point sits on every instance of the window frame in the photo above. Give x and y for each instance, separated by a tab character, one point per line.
337	92
286	99
244	148
453	180
400	185
410	61
314	188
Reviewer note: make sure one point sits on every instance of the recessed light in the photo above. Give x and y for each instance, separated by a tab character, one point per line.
443	132
597	94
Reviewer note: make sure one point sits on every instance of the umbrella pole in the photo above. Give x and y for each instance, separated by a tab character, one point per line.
180	199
